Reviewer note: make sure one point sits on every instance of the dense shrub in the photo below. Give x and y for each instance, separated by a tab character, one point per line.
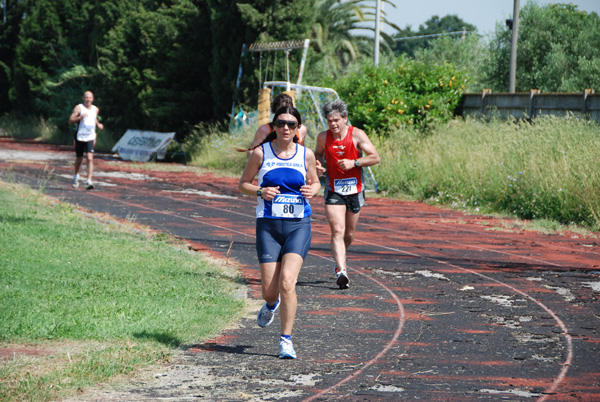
403	93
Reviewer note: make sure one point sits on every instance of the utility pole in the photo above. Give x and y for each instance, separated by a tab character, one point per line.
377	32
512	74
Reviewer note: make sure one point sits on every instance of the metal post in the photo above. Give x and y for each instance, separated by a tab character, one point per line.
237	85
377	31
306	43
512	74
287	68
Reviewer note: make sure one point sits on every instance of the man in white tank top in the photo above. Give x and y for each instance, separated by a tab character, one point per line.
86	117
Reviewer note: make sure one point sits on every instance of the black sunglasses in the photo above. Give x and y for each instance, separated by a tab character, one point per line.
291	124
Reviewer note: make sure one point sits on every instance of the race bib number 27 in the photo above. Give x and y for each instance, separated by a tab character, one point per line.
346	186
288	206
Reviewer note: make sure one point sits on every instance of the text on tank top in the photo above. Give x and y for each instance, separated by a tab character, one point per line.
86	129
340	181
287	174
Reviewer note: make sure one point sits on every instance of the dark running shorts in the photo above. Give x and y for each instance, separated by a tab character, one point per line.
83	146
353	202
276	237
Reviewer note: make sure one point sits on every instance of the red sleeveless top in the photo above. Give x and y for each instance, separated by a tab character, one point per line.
340	181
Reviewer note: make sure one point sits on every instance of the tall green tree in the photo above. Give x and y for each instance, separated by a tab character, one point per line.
13	10
235	24
434	25
343	33
56	55
257	21
333	34
153	68
557	50
102	16
152	64
38	52
278	20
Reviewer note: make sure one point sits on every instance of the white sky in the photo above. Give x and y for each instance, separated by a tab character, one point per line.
484	14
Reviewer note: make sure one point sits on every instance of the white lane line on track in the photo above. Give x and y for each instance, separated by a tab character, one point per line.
560	323
169	213
565	331
386	348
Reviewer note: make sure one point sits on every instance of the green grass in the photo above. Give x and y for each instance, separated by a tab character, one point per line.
33	127
210	148
19	126
104	299
547	170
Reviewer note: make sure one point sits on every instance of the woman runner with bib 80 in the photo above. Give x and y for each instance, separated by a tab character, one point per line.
287	178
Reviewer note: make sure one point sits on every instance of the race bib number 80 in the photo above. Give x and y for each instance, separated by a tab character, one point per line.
288	206
346	186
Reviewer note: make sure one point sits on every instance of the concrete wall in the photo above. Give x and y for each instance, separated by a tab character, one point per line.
526	105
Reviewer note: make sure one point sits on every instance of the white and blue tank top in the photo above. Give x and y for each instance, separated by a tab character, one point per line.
290	176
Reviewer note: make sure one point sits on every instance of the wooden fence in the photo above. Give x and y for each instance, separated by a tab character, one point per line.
526	105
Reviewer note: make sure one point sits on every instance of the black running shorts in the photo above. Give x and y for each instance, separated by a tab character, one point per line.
353	202
83	146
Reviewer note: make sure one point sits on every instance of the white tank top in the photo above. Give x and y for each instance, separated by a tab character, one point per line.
86	130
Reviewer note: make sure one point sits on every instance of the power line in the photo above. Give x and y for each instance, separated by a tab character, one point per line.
434	35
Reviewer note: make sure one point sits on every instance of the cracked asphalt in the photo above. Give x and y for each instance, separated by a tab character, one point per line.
443	306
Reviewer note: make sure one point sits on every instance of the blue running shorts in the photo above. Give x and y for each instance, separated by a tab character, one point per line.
277	237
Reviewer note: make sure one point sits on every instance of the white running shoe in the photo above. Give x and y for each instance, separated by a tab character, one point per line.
89	185
342	278
75	183
286	349
266	316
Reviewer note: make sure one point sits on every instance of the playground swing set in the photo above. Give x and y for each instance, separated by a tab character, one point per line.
309	100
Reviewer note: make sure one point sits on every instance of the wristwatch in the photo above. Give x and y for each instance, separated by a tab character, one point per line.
356	164
259	192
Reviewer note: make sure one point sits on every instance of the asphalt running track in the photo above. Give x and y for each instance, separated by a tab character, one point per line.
442	306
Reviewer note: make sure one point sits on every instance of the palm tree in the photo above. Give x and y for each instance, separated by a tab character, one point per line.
343	31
